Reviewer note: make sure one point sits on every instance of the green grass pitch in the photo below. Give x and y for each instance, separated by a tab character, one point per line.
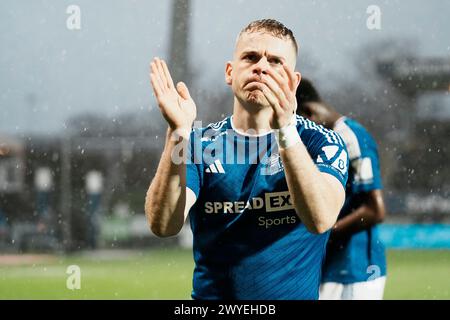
167	274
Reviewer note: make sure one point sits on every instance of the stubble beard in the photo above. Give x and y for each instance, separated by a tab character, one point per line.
255	99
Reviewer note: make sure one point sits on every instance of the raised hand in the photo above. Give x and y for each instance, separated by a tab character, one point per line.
280	93
175	103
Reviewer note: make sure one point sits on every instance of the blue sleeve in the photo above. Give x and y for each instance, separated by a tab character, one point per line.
193	171
328	151
366	167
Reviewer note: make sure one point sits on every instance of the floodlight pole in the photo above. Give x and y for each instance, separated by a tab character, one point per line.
179	56
65	214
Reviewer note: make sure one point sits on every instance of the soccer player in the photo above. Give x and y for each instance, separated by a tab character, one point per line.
355	263
261	187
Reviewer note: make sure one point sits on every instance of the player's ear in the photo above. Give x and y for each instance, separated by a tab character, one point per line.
298	77
228	73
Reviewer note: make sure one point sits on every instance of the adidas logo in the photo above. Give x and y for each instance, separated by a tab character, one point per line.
215	167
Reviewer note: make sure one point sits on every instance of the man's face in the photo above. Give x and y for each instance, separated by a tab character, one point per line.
254	54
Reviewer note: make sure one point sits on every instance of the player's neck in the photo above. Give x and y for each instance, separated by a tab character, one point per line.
255	121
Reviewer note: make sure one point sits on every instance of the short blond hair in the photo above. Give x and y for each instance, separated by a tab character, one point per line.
272	27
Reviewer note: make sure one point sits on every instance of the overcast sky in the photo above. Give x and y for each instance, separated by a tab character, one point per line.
49	73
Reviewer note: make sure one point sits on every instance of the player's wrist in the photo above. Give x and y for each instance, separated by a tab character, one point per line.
175	134
287	136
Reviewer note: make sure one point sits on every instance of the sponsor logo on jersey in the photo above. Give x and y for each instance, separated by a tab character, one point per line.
272	202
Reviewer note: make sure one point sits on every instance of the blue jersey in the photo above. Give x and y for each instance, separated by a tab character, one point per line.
248	241
361	256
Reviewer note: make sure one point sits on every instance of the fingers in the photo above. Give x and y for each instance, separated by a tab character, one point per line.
183	91
291	76
272	99
166	73
284	84
277	91
161	76
157	82
281	81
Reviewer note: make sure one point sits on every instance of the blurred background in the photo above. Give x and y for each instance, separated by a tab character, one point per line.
81	134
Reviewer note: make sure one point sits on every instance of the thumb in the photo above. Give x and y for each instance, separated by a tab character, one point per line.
183	90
